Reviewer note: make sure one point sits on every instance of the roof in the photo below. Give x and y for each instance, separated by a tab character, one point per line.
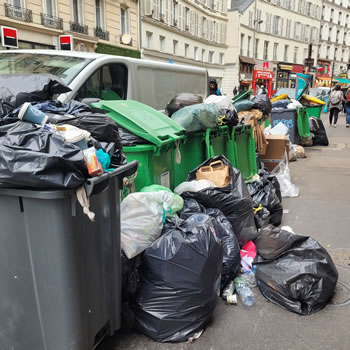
240	5
247	60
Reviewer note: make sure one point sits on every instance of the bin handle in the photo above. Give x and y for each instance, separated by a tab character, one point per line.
123	171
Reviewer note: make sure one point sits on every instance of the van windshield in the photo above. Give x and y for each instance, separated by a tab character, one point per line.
64	67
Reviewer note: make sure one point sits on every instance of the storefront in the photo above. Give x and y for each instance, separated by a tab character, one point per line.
246	67
286	75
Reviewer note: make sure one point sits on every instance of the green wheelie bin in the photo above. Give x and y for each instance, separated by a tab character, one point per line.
161	154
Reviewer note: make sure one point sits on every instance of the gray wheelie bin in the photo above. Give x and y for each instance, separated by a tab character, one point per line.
60	273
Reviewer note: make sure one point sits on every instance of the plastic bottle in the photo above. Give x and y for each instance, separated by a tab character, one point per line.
249	276
244	292
229	295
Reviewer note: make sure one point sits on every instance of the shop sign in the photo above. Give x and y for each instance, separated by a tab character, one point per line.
65	42
9	37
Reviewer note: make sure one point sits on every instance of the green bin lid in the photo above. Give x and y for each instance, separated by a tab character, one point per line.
143	121
242	96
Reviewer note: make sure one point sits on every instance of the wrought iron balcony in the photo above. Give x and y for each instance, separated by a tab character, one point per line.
78	28
19	13
51	22
100	33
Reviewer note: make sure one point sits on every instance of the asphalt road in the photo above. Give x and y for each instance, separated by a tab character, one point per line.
322	211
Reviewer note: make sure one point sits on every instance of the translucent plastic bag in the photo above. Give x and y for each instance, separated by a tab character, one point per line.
142	217
197	117
282	174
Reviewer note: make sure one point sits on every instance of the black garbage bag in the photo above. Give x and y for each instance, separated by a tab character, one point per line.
19	88
233	200
280	104
264	193
261	215
180	280
32	157
130	139
263	103
117	156
131	280
318	130
101	127
228	117
294	271
223	228
182	100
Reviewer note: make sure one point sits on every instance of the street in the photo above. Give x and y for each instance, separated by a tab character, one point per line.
321	211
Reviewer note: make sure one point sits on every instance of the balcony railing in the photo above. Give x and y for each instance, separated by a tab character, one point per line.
51	22
79	28
101	34
19	13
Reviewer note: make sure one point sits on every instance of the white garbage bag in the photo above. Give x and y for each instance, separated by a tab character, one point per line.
142	217
193	186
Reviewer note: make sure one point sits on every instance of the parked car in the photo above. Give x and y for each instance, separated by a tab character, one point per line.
99	76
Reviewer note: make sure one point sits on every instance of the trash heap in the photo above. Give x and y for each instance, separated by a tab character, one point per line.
215	236
45	144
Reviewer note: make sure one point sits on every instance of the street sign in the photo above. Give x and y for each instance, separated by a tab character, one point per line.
9	37
65	42
309	61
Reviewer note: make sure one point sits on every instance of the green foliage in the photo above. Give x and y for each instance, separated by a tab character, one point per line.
117	51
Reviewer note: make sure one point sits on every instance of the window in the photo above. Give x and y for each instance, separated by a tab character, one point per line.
295	58
107	83
174	12
66	68
195	53
336	54
297	30
77	11
124	21
276	25
203	55
187	46
49	7
275	48
266	50
342	54
221	58
175	47
305	53
249	41
242	44
161	43
250	23
256	48
100	17
211	57
149	40
187	18
285	57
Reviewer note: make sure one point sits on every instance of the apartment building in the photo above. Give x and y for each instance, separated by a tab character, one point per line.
334	51
189	32
271	34
96	25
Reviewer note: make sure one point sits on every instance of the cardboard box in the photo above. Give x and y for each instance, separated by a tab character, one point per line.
276	148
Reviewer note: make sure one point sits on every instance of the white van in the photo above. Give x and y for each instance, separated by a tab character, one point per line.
107	77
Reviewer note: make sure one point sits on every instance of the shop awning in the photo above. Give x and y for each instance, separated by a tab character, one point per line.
342	80
247	60
324	78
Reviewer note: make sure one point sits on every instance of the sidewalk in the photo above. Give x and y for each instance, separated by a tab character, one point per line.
323	212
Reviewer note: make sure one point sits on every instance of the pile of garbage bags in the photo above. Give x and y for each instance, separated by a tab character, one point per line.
45	144
194	114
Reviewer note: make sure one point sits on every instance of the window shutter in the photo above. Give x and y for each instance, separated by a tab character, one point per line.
217	32
147	7
167	11
180	16
282	26
192	22
183	17
200	29
156	9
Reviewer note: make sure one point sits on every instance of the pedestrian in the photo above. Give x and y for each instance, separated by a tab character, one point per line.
262	90
347	107
335	104
235	91
213	88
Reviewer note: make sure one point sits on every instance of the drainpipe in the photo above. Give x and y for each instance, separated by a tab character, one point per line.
140	27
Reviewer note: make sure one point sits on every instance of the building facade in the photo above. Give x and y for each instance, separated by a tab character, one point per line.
334	53
274	35
96	25
189	32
